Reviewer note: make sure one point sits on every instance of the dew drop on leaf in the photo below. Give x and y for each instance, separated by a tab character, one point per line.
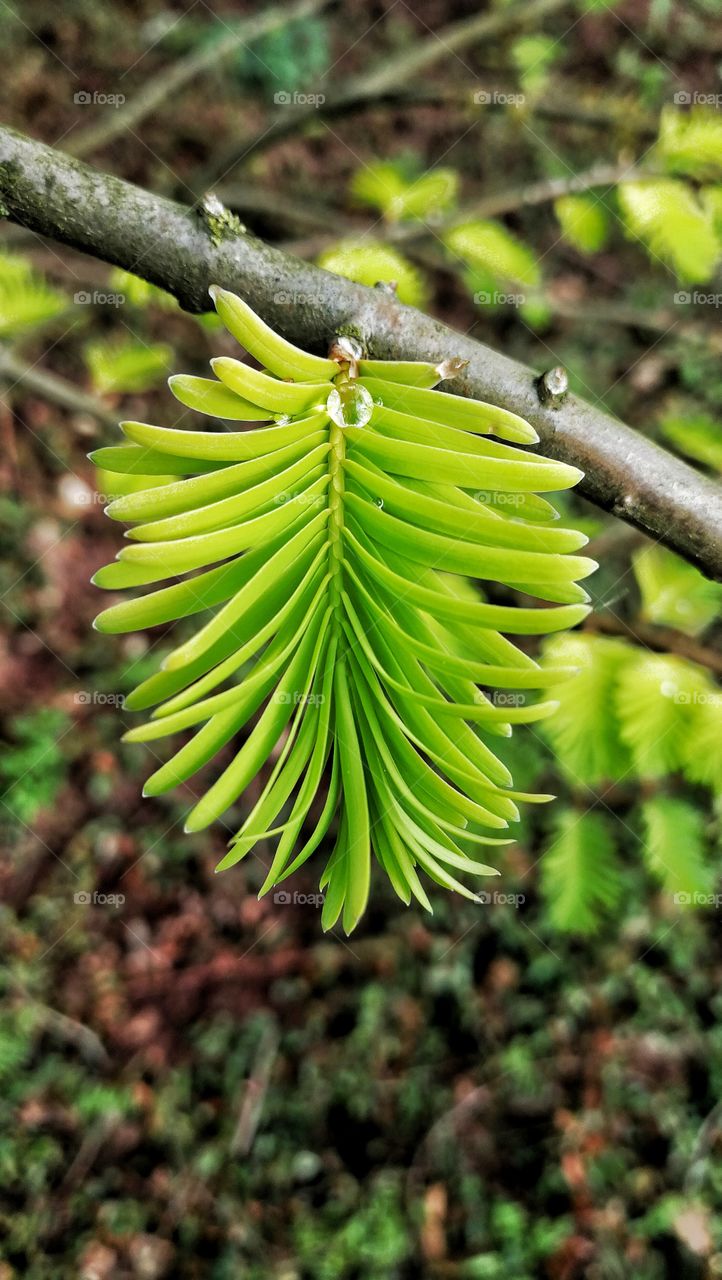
350	405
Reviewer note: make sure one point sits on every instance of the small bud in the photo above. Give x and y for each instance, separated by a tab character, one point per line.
213	206
347	352
553	386
450	368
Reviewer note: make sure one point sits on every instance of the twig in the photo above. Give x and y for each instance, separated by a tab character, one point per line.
535	193
161	88
661	639
702	1149
306	214
15	372
85	1040
255	1092
616	539
171	246
90	1148
301	213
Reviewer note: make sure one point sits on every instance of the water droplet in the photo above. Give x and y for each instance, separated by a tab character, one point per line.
350	405
379	502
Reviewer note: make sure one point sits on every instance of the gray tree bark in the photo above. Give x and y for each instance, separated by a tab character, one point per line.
186	250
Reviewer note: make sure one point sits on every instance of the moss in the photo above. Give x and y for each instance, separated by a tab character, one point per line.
220	223
9	173
351	330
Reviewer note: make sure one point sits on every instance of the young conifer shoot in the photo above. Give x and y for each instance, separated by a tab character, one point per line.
330	546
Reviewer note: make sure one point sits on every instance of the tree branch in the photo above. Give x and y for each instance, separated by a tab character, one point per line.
185	251
533	193
660	639
14	372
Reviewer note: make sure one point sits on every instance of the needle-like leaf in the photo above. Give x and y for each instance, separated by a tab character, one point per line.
330	550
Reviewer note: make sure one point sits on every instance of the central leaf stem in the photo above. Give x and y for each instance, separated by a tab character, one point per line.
336	514
349	405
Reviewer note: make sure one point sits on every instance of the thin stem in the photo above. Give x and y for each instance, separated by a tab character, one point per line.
14	372
161	89
336	515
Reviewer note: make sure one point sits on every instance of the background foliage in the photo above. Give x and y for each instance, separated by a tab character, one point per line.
194	1083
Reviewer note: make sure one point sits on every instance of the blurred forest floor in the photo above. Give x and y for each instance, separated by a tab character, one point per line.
197	1084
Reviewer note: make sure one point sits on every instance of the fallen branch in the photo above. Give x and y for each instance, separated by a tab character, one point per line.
184	252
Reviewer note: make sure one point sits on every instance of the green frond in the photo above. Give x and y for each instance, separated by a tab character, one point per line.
697	435
690	143
115	484
712	202
493	253
533	56
370	262
654	699
139	293
580	873
668	218
399	195
26	300
674	848
327	546
584	222
701	746
125	365
584	730
673	592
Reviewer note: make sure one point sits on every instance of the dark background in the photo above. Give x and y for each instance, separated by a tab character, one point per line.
194	1083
